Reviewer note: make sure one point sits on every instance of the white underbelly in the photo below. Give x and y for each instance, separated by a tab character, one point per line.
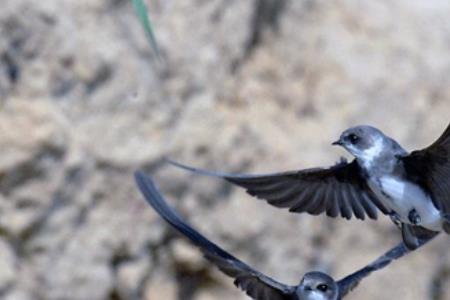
402	197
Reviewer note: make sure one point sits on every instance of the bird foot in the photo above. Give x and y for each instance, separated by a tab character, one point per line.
414	217
446	223
409	239
395	218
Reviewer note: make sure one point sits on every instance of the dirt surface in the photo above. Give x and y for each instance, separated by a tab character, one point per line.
244	86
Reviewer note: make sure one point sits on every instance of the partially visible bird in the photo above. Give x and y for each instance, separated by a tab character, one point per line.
313	285
412	188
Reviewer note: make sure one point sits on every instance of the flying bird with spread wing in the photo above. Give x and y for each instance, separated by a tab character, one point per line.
313	285
412	188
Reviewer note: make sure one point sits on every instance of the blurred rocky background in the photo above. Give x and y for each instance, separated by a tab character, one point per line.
243	86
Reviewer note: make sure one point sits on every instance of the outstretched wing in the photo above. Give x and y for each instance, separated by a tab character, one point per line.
430	168
340	189
254	283
348	283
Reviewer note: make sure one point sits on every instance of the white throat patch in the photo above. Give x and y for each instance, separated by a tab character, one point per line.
369	155
316	296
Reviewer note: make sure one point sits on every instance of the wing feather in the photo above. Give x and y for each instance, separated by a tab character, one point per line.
254	283
332	203
357	207
430	168
338	190
315	205
344	203
369	207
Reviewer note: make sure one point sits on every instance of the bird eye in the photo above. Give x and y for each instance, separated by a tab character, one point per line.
353	138
322	287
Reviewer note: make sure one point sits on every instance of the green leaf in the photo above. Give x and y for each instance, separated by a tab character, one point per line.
141	11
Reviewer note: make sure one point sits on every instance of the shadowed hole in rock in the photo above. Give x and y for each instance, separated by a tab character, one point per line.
102	75
26	203
11	68
115	295
266	15
30	169
190	280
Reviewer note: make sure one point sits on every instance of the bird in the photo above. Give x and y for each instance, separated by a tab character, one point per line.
412	188
313	286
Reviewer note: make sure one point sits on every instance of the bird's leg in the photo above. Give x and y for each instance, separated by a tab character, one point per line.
414	217
410	240
395	218
446	223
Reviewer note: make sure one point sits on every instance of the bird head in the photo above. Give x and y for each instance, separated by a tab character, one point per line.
317	286
366	143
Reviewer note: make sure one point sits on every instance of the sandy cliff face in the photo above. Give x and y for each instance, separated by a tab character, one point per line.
246	86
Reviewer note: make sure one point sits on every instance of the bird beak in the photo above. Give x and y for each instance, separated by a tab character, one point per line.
337	143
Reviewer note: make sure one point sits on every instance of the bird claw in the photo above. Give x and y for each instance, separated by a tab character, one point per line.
446	223
446	217
409	238
395	218
414	217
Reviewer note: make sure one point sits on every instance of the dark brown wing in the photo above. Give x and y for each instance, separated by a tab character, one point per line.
430	168
255	284
340	189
